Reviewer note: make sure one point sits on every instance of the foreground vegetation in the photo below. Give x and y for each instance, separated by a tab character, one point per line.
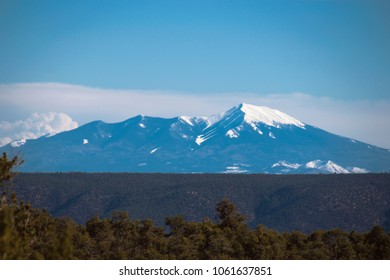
31	233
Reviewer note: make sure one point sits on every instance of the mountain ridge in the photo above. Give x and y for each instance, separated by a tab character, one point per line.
244	139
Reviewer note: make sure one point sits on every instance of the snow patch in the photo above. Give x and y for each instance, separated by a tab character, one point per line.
231	133
85	141
199	139
18	143
255	128
186	120
313	164
286	164
332	167
329	166
50	135
154	150
271	135
142	125
358	170
235	169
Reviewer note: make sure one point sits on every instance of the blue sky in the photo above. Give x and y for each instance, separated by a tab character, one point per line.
336	53
327	48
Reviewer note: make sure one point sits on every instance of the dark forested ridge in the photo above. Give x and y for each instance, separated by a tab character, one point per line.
282	202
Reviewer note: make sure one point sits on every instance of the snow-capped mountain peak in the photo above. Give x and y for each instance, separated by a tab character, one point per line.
252	114
239	118
244	139
332	167
267	115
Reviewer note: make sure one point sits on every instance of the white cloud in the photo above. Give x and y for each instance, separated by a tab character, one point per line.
36	125
365	120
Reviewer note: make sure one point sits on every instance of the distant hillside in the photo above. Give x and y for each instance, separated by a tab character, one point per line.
282	202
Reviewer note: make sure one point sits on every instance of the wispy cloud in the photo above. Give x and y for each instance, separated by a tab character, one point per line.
365	120
36	125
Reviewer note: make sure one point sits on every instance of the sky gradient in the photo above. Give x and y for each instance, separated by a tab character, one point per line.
215	50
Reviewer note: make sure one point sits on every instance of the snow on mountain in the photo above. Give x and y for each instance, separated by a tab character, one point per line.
244	139
256	114
316	166
245	115
332	167
286	164
200	139
232	133
358	170
187	120
268	116
313	164
235	169
18	143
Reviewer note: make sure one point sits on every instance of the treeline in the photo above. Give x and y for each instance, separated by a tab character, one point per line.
28	233
31	233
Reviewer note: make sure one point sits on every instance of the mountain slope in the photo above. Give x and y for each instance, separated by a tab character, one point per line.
245	139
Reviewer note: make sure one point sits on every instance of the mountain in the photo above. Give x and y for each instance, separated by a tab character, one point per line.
244	139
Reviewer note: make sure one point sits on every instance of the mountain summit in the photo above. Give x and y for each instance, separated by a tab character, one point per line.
266	115
246	117
244	139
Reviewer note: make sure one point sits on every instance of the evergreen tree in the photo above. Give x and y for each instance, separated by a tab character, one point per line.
378	243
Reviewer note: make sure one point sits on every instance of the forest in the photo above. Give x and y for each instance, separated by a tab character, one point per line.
27	232
305	203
